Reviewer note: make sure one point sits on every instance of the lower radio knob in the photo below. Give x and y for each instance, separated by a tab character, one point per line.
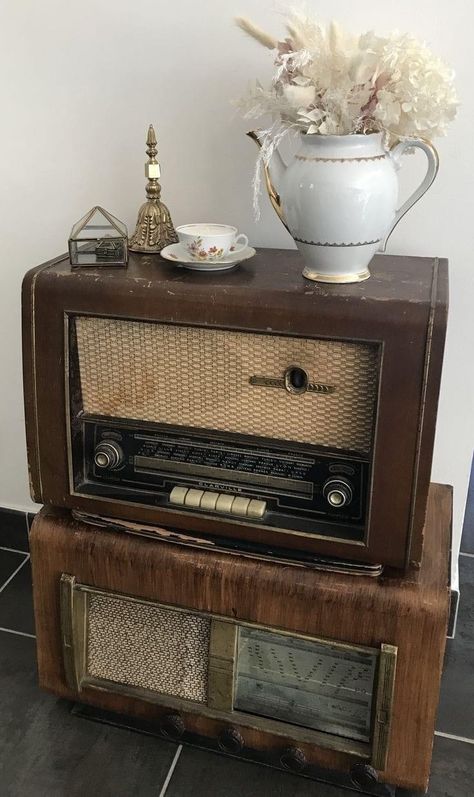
108	455
293	759
363	776
337	492
172	726
230	740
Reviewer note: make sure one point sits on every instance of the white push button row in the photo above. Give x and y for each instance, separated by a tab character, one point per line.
218	502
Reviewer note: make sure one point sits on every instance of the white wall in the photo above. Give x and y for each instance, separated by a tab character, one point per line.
80	82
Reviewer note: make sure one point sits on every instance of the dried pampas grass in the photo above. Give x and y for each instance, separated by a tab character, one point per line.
256	33
359	83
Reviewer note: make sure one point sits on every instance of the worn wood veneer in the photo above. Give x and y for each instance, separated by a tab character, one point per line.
409	612
402	308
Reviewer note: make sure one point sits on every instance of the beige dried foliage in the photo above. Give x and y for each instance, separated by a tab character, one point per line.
330	82
256	33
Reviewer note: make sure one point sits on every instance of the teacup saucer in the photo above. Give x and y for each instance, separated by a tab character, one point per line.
177	254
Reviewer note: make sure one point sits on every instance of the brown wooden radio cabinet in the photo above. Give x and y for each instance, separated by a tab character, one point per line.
251	404
297	667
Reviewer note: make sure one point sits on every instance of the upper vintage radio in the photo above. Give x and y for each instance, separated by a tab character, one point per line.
247	405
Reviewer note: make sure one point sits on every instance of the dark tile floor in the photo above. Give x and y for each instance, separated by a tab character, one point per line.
45	751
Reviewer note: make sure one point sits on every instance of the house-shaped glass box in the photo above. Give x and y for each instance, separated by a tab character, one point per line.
98	239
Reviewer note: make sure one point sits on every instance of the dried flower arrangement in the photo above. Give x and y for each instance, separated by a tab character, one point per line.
329	82
332	83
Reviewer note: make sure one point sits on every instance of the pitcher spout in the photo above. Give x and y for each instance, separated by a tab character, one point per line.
273	172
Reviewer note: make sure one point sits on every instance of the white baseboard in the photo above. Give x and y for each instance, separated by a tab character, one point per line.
22	507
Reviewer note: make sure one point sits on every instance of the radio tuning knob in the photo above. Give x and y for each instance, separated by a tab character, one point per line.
293	759
363	776
230	740
108	455
172	726
337	492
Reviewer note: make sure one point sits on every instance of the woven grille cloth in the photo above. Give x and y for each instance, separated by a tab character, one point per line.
146	646
199	377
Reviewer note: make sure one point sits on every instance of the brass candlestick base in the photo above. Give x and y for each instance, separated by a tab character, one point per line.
154	228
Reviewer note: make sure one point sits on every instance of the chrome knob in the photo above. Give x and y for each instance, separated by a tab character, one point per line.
108	455
337	492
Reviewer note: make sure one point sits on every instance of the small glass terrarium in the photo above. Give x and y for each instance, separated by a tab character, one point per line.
98	239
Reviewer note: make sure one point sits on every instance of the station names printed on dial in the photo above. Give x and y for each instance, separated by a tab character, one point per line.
316	685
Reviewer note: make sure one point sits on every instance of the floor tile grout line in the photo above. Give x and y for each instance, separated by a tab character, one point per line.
13	550
170	771
464	553
25	560
18	633
454	737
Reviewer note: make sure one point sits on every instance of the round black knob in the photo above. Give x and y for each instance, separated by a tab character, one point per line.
363	776
296	379
172	726
293	759
230	740
108	455
337	492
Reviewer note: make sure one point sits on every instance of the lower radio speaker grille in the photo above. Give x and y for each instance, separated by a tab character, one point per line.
147	646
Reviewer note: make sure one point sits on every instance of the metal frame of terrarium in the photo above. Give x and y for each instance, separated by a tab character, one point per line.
99	251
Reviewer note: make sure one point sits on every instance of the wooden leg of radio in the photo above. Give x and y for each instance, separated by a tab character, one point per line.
349	667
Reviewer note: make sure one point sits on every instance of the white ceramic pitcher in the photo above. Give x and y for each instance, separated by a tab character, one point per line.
338	199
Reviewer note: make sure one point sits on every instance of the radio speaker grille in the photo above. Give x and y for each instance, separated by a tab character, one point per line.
146	646
199	377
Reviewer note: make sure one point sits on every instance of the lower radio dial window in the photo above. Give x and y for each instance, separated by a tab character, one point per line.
317	685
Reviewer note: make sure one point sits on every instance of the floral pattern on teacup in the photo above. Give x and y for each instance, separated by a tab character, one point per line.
196	249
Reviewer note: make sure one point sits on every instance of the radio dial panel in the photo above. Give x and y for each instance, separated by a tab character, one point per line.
285	486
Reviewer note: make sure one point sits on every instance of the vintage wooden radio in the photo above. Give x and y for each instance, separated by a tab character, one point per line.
251	405
287	665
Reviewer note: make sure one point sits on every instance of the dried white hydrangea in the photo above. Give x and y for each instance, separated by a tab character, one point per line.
416	95
332	83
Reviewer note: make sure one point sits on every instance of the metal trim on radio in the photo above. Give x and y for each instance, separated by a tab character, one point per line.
228	697
295	380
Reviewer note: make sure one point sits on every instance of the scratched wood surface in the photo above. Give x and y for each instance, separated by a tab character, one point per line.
402	307
410	612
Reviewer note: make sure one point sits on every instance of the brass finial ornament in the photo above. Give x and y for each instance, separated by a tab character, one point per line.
154	228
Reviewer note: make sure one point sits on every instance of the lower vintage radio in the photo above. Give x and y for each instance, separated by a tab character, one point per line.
246	405
337	694
294	667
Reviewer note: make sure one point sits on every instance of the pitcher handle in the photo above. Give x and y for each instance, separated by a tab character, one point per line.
396	153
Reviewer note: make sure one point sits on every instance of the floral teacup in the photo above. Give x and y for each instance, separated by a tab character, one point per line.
209	242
